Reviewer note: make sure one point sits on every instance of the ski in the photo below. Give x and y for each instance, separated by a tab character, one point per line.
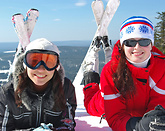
98	10
92	63
23	28
108	14
31	19
20	29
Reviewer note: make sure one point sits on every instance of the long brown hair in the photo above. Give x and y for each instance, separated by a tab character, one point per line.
59	98
122	77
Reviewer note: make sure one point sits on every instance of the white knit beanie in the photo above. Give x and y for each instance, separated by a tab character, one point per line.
136	27
42	44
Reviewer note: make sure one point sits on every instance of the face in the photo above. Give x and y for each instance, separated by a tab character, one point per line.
40	77
138	53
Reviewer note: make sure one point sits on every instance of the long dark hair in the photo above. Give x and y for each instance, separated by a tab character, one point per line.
59	98
122	77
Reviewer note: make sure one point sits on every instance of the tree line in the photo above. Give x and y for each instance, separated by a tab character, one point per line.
159	32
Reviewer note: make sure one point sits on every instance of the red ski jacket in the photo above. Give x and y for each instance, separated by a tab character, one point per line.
149	93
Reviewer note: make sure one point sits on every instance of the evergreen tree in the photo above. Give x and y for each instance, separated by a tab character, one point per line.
160	32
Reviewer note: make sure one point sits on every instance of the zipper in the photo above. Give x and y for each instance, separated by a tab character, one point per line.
39	111
69	110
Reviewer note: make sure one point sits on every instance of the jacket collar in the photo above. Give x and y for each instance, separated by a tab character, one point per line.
31	100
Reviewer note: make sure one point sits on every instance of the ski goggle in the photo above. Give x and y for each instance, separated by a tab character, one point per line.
34	58
132	43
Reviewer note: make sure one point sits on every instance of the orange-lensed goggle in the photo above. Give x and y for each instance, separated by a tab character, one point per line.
35	58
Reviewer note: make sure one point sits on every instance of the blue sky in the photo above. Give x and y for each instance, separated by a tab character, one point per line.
62	20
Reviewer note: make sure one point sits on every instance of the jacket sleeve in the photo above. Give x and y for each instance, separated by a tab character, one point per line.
156	82
93	100
115	107
70	95
2	106
6	120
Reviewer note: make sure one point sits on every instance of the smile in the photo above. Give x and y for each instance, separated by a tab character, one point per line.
40	76
137	54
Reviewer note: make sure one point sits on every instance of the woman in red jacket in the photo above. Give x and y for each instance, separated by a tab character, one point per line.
132	83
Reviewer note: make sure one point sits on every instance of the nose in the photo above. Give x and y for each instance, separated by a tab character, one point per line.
137	45
41	67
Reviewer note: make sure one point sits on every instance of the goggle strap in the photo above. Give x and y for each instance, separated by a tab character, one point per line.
58	67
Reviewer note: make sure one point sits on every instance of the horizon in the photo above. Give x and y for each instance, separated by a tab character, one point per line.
81	43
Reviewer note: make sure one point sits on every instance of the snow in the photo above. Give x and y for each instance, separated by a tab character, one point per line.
9	52
4	71
83	120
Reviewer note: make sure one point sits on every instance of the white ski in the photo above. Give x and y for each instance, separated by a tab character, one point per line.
98	11
21	30
31	19
24	28
108	14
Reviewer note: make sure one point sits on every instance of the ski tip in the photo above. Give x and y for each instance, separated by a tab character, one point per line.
34	9
17	14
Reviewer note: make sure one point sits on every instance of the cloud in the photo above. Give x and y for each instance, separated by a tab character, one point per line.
57	20
81	3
